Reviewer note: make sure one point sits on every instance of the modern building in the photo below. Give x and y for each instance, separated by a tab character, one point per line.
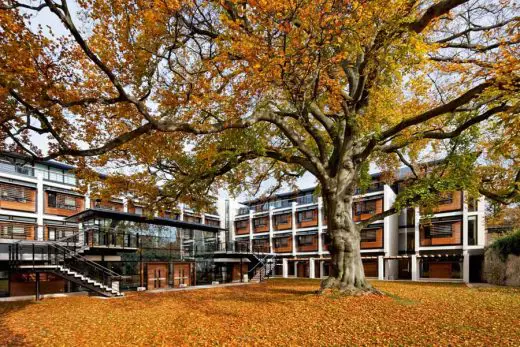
445	243
55	239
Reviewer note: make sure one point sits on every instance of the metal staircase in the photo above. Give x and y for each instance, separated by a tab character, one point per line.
62	258
264	269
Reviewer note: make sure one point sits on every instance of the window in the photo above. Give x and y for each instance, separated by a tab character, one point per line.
305	199
305	215
138	210
51	199
69	202
281	219
472	231
260	222
10	192
365	207
305	240
18	231
241	224
445	198
281	242
52	233
438	230
369	235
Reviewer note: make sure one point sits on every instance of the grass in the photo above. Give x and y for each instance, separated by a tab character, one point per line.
279	312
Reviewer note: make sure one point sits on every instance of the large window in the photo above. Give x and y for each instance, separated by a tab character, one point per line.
305	216
281	219
438	230
10	192
472	231
365	207
305	240
241	224
369	235
281	242
260	221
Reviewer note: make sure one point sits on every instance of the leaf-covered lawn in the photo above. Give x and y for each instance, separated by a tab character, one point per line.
280	312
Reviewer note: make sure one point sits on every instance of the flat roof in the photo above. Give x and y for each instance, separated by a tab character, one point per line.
102	213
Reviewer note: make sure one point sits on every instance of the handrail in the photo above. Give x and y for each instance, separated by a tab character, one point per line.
85	260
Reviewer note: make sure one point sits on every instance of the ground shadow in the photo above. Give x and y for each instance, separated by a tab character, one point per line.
7	336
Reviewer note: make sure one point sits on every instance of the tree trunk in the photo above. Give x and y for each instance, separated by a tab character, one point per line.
347	274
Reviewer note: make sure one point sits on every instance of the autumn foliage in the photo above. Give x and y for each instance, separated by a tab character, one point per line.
279	312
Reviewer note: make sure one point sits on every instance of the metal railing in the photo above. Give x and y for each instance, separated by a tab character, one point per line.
36	254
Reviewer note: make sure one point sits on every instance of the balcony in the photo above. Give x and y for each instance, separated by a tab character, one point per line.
449	202
16	169
441	232
363	210
372	237
261	225
282	221
373	187
242	227
63	204
307	243
17	231
20	198
307	218
282	244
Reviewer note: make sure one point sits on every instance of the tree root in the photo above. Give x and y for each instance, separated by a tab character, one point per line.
332	285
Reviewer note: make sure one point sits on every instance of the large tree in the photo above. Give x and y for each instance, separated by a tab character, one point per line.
194	95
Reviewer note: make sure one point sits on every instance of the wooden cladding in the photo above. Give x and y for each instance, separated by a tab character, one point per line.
363	210
448	202
17	231
307	243
282	244
242	227
282	221
261	224
108	205
441	233
371	238
15	197
370	267
237	273
62	204
307	218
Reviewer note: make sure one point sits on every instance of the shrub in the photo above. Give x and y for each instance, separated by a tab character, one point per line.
509	244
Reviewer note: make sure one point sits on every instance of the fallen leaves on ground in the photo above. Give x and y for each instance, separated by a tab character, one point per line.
278	312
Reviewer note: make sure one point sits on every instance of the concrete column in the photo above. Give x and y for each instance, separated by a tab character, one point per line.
87	198
464	222
380	268
285	268
39	205
320	225
251	229
416	227
414	264
465	267
271	229
293	213
312	272
295	269
125	205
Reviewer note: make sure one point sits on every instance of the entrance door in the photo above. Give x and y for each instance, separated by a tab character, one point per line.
181	274
157	275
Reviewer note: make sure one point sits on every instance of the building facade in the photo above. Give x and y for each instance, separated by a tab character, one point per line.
445	243
41	210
